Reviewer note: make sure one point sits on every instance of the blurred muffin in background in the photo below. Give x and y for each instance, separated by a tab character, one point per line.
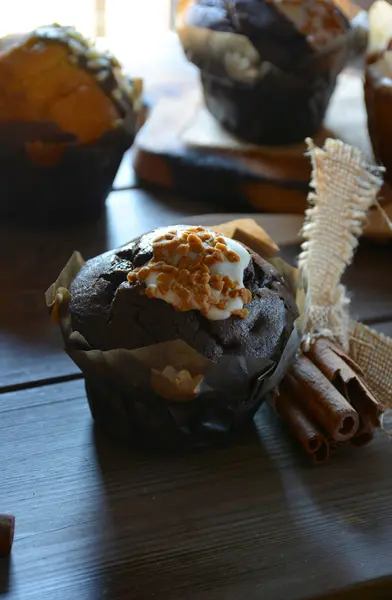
67	115
378	83
268	67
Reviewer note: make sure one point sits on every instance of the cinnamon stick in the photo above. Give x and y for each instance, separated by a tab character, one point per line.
7	529
346	377
304	431
321	401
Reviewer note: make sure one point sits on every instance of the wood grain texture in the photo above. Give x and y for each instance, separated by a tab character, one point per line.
251	521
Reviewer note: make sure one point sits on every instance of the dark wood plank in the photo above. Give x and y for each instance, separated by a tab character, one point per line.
30	346
252	521
369	287
368	279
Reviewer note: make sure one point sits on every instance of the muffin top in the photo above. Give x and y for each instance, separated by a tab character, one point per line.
54	74
283	31
184	283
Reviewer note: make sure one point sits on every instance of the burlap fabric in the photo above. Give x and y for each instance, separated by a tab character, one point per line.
372	351
345	187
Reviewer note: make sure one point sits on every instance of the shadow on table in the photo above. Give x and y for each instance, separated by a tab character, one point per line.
31	346
224	523
341	511
227	523
178	522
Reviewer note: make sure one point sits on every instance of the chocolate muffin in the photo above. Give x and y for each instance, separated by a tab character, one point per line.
67	115
189	284
378	84
274	82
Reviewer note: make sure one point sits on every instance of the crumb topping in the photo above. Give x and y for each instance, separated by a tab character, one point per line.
193	268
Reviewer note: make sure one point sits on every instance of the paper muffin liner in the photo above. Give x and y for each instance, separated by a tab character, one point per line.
72	187
166	394
262	103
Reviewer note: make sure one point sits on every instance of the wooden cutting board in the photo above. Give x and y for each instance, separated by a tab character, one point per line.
182	148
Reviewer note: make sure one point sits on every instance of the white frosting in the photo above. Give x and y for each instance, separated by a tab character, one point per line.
235	270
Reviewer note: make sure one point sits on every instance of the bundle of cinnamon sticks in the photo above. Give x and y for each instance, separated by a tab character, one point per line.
325	401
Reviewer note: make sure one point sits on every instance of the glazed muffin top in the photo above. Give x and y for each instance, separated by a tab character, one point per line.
184	283
283	31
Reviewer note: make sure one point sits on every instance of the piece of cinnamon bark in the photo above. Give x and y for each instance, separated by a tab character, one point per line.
324	405
304	431
7	529
346	377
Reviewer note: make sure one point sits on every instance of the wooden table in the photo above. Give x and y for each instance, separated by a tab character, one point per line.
251	522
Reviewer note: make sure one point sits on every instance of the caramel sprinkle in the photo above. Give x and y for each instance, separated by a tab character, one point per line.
241	312
183	272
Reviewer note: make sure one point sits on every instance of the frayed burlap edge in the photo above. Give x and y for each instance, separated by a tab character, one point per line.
345	187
